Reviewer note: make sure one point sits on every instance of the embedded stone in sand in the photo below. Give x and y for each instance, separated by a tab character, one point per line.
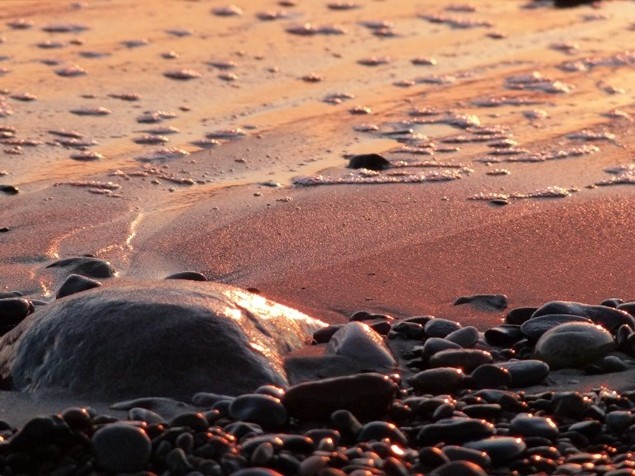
161	338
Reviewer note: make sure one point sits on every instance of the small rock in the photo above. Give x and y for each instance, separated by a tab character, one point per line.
607	317
488	302
85	266
368	161
464	359
573	345
526	425
612	363
121	448
504	335
378	430
436	344
466	337
457	430
519	315
537	326
439	327
358	341
264	410
525	373
501	449
490	376
188	275
459	468
9	189
459	453
13	310
438	381
76	283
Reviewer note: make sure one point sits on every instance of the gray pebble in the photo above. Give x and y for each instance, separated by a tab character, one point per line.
121	448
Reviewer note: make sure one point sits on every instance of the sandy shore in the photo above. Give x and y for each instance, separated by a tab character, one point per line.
234	210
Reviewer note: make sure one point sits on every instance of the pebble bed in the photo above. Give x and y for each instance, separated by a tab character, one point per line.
457	407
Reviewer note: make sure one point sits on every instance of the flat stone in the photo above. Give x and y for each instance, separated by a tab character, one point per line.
188	275
366	395
433	345
459	468
464	359
607	317
439	327
519	315
438	381
526	425
537	326
466	337
490	376
456	430
358	341
525	373
169	338
573	345
459	453
487	302
378	430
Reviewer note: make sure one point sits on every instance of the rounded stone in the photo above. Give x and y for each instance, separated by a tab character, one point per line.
612	363
459	468
490	376
466	337
358	341
525	373
502	449
121	448
439	327
456	430
519	315
525	425
459	453
573	345
13	310
379	430
264	410
464	359
607	317
194	420
85	266
169	338
368	161
188	275
433	345
537	326
76	283
439	380
504	335
366	395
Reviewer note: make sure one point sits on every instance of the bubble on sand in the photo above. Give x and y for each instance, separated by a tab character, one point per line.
270	15
591	136
498	172
498	101
180	32
618	114
169	55
364	176
366	127
206	143
91	111
342	5
86	156
544	156
536	114
5	108
235	133
125	96
548	192
51	44
93	54
374	60
162	130
360	110
151	117
182	74
151	140
436	79
337	98
457	22
161	155
220	64
64	28
135	43
309	29
227	11
65	133
312	78
228	77
623	175
424	61
91	184
24	97
71	71
565	46
76	143
20	24
535	81
461	8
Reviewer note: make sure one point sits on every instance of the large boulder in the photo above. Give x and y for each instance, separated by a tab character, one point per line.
161	338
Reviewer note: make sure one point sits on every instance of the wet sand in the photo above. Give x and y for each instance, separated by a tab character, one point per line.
236	210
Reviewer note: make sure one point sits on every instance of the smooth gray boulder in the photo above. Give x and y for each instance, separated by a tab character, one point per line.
168	338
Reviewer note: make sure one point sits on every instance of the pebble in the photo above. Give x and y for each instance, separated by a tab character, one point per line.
368	161
85	266
490	376
76	283
466	337
121	448
188	275
525	373
605	316
13	310
358	341
573	345
432	345
456	430
537	326
182	74
380	430
264	410
438	381
504	335
490	302
460	453
501	449
526	425
464	359
439	327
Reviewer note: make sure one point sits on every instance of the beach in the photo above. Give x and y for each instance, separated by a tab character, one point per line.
175	136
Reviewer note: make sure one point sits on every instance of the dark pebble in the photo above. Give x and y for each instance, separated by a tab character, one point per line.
466	337
409	330
519	315
607	317
121	448
437	381
76	283
77	419
188	275
207	399
459	453
433	345
459	468
439	327
490	376
525	373
86	266
193	420
504	335
455	430
537	326
378	430
432	457
323	335
346	423
501	449
524	425
9	189
464	359
612	302
261	409
13	310
367	396
490	302
368	161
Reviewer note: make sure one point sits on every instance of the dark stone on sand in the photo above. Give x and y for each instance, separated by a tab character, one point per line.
537	326
368	161
85	266
207	399
9	189
166	338
188	275
572	3
525	373
367	396
573	345
486	411
502	449
504	335
76	283
519	315
437	381
459	468
612	363
436	344
346	423
489	302
432	456
13	310
439	327
378	430
466	337
526	425
77	419
456	430
264	410
121	448
256	471
607	317
570	405
490	376
464	359
459	453
145	415
4	229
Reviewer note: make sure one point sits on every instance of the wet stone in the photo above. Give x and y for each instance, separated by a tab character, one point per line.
504	335
438	381
358	341
501	449
464	359
537	326
76	283
439	327
368	161
466	337
519	315
525	425
525	373
433	345
459	453
264	410
607	317
573	345
9	189
612	363
187	275
459	468
378	430
490	376
85	266
457	430
121	448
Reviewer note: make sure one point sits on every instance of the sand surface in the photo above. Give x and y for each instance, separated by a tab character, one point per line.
240	211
